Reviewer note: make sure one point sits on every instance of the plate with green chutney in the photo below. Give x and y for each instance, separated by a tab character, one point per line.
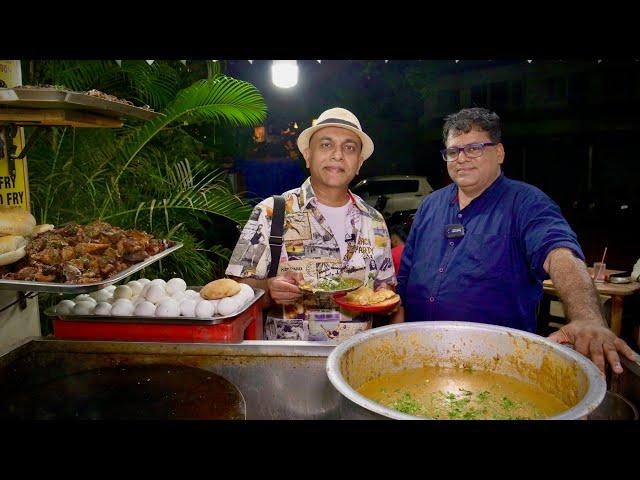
331	285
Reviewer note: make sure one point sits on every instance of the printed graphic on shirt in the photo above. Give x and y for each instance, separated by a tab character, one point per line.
380	235
250	246
386	265
297	226
316	250
283	329
324	269
255	216
364	247
323	331
293	310
295	250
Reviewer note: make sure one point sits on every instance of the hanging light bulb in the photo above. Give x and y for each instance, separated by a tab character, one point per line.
284	73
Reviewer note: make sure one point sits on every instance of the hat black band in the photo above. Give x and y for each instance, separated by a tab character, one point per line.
337	120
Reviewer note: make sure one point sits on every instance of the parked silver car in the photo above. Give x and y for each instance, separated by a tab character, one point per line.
393	194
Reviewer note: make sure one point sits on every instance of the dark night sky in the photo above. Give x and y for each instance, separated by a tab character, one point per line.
392	114
388	112
302	102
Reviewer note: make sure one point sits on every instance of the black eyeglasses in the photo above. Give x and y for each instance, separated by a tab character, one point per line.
472	150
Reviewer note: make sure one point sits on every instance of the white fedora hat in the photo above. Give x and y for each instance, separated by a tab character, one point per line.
337	117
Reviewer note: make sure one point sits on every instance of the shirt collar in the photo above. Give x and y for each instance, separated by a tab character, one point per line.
494	186
307	194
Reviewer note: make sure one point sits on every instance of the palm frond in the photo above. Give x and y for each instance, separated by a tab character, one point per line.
222	99
154	85
81	75
210	194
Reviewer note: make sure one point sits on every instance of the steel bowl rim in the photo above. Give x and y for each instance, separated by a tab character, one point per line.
589	402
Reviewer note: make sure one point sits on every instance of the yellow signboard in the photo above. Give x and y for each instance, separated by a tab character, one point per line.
14	188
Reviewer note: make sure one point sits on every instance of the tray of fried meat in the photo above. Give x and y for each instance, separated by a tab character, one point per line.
83	258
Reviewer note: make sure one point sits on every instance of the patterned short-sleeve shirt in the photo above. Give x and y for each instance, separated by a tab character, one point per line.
311	252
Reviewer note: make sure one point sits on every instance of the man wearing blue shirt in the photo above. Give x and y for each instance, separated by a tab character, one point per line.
480	248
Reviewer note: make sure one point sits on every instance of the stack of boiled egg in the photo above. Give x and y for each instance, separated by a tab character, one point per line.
154	298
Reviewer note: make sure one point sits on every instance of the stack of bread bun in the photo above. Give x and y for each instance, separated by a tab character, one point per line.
16	226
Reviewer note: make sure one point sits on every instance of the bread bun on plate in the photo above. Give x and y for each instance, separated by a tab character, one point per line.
221	288
45	227
12	248
16	221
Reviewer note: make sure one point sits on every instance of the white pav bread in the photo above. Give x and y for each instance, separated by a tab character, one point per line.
16	221
12	249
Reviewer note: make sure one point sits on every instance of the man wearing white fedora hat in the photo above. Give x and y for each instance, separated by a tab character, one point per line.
327	232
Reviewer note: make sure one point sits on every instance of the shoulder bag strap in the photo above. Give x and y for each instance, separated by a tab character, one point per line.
277	228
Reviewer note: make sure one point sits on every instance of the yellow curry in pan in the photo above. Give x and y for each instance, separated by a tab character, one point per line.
461	394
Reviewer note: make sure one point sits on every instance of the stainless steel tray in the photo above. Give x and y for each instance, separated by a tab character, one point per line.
52	287
257	293
68	100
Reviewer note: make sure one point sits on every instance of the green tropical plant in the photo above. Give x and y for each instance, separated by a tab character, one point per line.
153	176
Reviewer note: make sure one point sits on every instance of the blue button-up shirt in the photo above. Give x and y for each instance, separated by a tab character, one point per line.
493	274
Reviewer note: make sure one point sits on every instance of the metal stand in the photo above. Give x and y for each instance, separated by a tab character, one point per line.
10	131
21	300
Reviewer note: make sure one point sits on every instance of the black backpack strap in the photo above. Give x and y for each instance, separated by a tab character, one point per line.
277	228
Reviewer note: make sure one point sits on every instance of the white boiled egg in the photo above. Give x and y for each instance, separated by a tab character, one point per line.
192	294
100	295
110	288
246	290
239	298
85	298
138	300
84	308
159	281
168	308
188	307
143	281
156	293
122	307
145	309
122	291
145	289
214	304
204	309
135	286
178	296
102	308
65	307
176	285
227	306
